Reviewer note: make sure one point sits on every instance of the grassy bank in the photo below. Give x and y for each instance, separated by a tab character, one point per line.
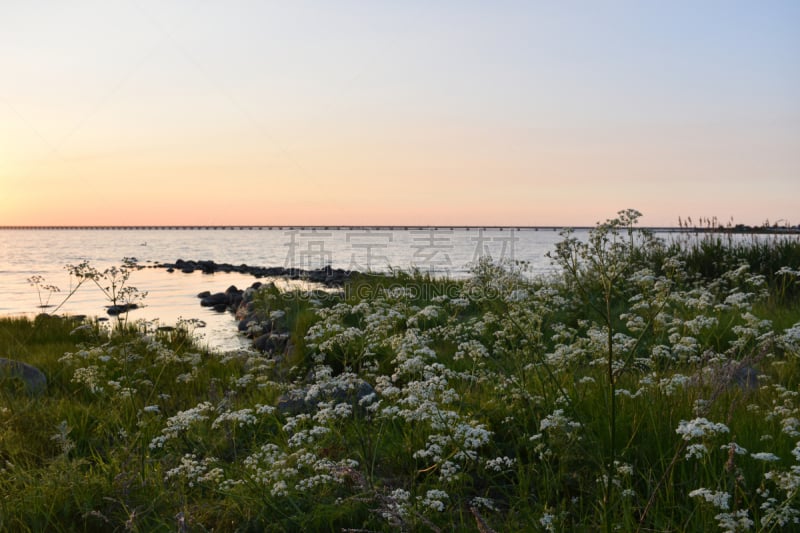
647	387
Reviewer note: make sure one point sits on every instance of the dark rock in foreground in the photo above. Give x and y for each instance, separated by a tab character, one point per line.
33	378
303	400
271	343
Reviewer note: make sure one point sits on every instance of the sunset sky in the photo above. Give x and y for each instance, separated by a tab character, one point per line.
471	112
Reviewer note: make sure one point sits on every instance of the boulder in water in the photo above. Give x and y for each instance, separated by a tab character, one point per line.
115	310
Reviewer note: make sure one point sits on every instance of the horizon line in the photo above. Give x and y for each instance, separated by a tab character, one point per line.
389	227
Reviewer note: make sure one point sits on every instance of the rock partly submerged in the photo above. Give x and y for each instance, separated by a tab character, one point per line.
331	277
267	331
119	309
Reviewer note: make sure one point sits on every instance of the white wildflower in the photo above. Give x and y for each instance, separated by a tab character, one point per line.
696	451
737	521
499	464
738	450
397	504
766	457
700	428
718	499
547	521
434	499
243	417
486	503
180	423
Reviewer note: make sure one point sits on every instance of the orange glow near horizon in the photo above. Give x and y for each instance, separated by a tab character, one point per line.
287	116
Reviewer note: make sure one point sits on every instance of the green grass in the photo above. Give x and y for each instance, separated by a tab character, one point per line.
494	406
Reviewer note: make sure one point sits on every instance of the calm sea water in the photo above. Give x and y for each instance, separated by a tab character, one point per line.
172	296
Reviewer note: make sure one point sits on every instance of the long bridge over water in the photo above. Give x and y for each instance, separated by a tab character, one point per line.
321	228
736	230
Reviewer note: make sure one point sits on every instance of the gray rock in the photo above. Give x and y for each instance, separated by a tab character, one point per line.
271	343
300	401
215	299
115	310
746	377
34	379
294	402
730	374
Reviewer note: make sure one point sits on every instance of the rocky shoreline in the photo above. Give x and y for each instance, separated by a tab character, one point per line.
330	277
267	332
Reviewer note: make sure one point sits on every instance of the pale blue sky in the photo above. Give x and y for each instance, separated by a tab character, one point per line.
398	112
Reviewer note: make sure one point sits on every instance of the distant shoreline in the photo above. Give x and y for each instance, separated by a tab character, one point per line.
739	229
